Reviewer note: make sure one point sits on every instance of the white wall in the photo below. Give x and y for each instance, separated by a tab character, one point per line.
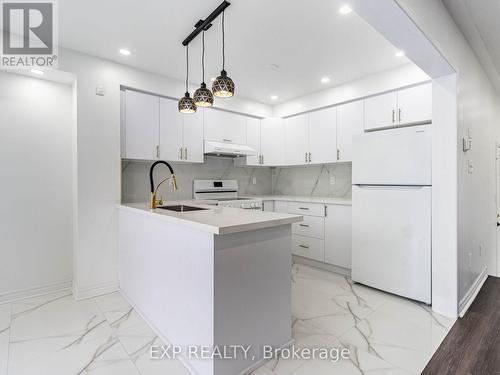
98	159
366	86
36	149
478	110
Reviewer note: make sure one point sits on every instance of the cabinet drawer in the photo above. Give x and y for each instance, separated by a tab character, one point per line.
308	247
311	226
310	209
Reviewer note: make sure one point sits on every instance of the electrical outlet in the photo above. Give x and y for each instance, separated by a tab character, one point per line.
333	180
254	180
470	167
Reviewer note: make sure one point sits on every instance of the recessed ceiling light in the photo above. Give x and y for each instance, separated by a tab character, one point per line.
400	53
345	9
125	52
38	72
274	97
325	79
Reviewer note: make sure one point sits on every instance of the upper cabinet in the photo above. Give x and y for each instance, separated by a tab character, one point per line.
350	118
415	105
225	126
254	140
141	135
403	107
272	142
380	111
297	140
323	136
181	135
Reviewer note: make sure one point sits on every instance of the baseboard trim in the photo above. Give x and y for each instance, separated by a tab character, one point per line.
34	292
321	265
94	291
472	293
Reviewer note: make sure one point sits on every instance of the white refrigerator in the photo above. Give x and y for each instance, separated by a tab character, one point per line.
391	211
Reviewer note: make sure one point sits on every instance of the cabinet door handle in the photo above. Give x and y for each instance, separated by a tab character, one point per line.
180	154
227	140
304	208
309	157
186	154
262	159
338	154
306	157
399	115
304	225
157	151
304	246
393	116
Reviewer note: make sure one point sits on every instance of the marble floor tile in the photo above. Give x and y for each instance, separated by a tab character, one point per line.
5	311
148	366
401	332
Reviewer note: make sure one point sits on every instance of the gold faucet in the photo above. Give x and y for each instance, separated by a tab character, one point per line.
153	201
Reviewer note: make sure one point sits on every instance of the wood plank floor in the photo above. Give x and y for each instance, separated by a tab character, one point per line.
473	344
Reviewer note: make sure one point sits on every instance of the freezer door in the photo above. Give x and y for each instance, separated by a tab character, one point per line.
393	157
391	239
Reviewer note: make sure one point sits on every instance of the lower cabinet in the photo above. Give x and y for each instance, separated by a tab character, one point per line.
308	247
338	240
325	233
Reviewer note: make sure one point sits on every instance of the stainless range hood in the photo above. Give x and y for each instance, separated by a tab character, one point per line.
233	150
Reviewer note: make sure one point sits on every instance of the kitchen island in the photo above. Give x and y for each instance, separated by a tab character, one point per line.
217	277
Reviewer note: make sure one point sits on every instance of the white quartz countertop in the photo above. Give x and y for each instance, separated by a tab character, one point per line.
305	199
217	220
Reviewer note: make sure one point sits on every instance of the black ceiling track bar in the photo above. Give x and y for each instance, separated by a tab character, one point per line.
205	24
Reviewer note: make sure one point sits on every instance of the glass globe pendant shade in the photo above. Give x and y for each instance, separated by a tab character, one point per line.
223	86
186	104
203	97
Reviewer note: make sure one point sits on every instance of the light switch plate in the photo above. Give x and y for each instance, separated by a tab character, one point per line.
99	90
333	180
254	180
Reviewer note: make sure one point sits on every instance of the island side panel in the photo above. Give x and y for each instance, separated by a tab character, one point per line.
252	293
166	272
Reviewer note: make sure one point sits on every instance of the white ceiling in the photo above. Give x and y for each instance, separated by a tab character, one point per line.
479	22
306	39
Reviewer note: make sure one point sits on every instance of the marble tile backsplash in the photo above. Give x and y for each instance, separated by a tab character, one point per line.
306	180
135	178
314	180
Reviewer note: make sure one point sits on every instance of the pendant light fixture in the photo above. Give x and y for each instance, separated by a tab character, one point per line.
223	86
186	103
203	97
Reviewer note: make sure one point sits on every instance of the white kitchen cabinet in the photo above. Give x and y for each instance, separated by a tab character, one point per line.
181	135
142	112
415	105
272	141
350	118
323	136
192	136
308	247
297	140
399	108
225	126
171	129
254	140
380	111
338	232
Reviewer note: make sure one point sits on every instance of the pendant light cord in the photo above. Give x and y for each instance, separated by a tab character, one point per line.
223	44
203	57
187	68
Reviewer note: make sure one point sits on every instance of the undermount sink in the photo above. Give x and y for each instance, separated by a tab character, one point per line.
182	208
